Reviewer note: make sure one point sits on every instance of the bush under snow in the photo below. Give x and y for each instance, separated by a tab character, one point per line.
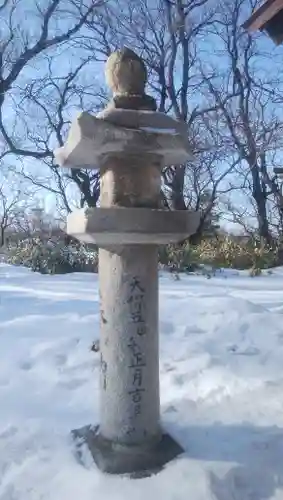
53	258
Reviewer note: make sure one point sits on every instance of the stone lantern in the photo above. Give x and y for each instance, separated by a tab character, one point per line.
130	143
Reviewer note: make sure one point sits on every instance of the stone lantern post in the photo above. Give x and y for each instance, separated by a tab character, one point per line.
130	142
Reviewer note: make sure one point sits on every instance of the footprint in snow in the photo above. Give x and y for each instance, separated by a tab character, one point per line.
180	379
243	351
243	483
26	365
60	359
9	432
170	409
193	330
166	327
168	368
244	328
73	384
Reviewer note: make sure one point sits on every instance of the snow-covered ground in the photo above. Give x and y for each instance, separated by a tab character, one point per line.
221	388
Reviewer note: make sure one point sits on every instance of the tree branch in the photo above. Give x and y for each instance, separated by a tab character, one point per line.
4	4
44	42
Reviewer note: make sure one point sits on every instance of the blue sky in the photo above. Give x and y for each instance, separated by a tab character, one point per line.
271	63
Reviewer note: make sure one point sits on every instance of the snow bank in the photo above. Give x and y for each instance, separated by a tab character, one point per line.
221	387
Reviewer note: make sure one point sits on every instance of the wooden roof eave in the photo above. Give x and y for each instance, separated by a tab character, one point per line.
263	15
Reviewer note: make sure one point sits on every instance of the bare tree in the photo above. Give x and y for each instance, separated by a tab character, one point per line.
7	209
15	199
230	106
169	36
251	124
25	60
166	34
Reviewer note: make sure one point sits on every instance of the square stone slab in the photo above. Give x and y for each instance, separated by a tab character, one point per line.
118	226
138	461
91	139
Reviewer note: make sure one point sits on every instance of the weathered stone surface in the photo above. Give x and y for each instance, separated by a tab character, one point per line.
91	140
145	120
141	102
137	461
130	147
129	402
116	226
125	72
126	76
131	181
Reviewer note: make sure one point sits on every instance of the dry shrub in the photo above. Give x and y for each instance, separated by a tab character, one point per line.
221	253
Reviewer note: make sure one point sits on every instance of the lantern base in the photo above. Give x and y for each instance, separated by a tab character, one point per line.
138	461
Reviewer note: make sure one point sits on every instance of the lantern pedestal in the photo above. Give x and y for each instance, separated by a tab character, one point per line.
130	147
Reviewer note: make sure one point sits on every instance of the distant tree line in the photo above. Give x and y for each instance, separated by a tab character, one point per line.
203	68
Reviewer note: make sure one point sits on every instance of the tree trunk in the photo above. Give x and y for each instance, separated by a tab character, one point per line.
2	236
177	186
259	195
196	238
263	229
